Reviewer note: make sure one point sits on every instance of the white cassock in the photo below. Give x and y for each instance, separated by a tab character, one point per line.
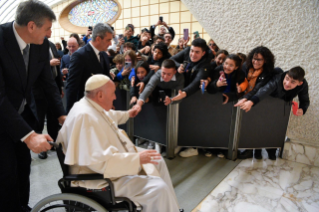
93	143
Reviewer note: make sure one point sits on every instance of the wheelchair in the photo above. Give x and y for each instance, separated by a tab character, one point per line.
76	199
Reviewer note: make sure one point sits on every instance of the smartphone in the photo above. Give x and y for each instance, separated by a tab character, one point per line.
127	65
121	36
161	18
222	76
185	65
186	35
203	88
196	34
90	28
162	95
294	107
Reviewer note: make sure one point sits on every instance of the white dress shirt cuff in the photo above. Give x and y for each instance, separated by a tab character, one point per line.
25	137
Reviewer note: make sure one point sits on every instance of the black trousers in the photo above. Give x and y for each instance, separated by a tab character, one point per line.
15	161
44	110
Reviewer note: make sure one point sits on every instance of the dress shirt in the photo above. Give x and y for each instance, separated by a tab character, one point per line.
96	51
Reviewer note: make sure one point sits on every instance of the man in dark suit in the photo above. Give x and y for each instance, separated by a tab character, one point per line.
87	61
73	46
24	58
44	109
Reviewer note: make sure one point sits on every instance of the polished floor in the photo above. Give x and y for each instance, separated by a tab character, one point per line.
266	186
193	178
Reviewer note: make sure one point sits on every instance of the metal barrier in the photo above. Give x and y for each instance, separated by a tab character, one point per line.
122	103
205	122
202	121
264	126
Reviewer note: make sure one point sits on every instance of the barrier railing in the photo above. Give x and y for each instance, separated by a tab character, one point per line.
202	121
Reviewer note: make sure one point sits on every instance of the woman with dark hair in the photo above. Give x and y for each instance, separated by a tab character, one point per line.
141	70
259	69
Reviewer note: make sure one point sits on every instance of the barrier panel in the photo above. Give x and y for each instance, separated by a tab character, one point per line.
151	122
122	103
264	126
203	121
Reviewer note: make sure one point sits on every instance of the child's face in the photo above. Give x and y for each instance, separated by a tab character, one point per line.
128	59
141	73
258	61
290	83
220	59
229	66
119	66
157	54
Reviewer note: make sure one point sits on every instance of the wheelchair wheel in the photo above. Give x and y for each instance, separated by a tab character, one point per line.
67	203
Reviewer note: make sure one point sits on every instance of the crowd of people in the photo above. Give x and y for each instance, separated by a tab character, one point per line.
148	66
33	69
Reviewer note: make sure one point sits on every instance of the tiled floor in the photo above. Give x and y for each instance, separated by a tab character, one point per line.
265	185
193	178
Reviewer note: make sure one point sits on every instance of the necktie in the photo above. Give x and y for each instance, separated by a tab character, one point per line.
55	72
101	60
26	57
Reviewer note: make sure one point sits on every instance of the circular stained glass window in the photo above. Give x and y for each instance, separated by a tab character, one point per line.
91	12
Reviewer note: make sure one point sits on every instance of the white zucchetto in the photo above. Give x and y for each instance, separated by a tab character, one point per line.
96	81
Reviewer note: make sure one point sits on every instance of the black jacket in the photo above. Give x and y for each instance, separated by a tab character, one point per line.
275	88
37	89
16	84
238	76
84	63
200	70
262	79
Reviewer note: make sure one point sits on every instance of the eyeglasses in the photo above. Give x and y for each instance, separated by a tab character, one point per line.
258	60
214	44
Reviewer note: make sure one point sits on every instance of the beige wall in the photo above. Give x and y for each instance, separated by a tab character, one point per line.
143	13
289	28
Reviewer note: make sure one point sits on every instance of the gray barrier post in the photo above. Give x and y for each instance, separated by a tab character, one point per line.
172	128
234	133
130	122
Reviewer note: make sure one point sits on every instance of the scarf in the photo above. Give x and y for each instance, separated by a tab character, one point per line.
252	78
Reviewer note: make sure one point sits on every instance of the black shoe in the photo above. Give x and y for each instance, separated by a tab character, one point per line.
272	154
258	155
181	210
245	154
43	155
25	208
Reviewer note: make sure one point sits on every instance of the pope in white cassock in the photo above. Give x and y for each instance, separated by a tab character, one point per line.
93	143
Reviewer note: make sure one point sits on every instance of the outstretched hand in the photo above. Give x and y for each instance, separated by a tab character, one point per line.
240	102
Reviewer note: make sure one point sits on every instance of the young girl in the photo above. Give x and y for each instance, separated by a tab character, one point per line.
219	59
141	70
126	73
229	79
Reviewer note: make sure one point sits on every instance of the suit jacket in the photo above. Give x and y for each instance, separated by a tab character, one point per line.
83	64
16	84
65	61
38	90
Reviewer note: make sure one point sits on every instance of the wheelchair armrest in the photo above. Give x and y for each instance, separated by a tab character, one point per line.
72	177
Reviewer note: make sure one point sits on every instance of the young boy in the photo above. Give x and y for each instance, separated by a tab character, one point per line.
119	63
285	86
